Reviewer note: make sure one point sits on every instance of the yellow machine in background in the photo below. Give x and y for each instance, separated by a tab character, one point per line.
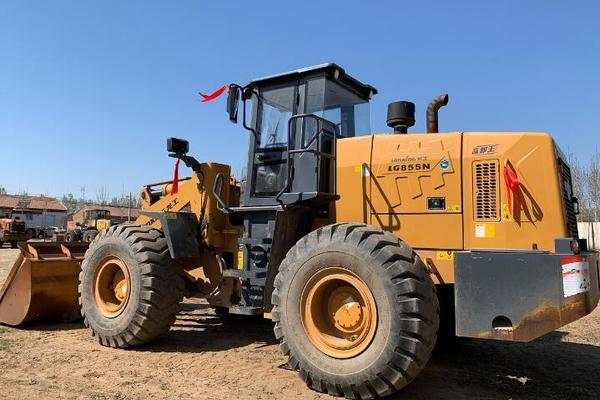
359	247
94	222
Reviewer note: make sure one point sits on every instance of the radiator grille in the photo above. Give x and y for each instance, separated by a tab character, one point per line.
567	195
486	190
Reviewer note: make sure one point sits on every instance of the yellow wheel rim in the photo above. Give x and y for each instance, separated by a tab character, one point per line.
111	287
338	312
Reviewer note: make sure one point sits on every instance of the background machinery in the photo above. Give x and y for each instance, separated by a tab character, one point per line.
355	245
95	221
12	231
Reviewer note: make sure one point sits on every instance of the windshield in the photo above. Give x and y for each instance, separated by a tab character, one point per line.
321	96
98	214
333	102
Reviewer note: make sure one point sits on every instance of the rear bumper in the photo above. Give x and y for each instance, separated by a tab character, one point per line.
522	295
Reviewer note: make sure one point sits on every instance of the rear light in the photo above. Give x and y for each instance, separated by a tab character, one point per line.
575	246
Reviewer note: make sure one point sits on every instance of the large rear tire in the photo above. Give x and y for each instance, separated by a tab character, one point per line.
355	311
129	287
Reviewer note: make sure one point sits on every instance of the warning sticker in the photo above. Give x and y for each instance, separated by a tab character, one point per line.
576	275
485	230
240	260
447	255
455	207
506	214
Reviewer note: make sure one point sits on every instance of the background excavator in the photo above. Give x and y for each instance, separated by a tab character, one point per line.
359	247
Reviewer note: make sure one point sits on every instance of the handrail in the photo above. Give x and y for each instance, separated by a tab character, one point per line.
218	187
149	185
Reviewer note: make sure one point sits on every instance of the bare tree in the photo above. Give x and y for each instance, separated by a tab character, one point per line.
579	180
102	196
593	184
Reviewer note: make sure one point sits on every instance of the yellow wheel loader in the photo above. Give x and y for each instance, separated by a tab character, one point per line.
95	221
356	245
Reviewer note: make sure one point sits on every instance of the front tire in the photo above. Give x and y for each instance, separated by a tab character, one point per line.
368	315
129	287
90	235
71	237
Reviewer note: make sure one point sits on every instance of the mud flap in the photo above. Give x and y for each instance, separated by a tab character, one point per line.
42	284
522	295
181	229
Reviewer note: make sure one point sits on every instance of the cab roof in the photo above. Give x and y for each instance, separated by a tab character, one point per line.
331	70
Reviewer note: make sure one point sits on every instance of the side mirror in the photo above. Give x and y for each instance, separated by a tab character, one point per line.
178	146
233	100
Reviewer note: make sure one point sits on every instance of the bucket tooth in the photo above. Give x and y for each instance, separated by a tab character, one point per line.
42	284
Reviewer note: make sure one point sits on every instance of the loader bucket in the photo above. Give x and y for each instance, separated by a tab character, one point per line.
42	284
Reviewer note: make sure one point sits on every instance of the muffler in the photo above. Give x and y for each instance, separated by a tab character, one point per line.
432	112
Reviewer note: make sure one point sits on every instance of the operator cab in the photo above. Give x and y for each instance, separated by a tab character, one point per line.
294	119
98	214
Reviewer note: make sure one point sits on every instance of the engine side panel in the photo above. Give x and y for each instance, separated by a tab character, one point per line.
393	191
442	193
416	188
529	216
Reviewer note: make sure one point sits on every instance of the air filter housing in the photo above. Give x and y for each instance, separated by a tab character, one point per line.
401	116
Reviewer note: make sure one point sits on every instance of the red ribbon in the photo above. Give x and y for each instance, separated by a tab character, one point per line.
512	184
175	187
210	97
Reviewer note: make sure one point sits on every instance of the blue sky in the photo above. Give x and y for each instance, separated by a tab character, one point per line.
90	90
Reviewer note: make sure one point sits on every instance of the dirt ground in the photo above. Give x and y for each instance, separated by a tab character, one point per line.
203	357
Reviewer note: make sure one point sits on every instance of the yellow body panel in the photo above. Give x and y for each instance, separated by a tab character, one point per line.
353	182
408	170
391	181
538	217
102	224
195	195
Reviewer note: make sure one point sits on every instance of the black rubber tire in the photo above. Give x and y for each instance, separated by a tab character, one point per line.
71	236
13	245
407	311
89	235
156	286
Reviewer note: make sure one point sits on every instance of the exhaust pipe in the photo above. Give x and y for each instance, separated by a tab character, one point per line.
432	112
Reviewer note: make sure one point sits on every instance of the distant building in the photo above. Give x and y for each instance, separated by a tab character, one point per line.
117	214
36	211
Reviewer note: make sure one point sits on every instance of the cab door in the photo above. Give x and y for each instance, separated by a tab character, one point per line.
416	188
